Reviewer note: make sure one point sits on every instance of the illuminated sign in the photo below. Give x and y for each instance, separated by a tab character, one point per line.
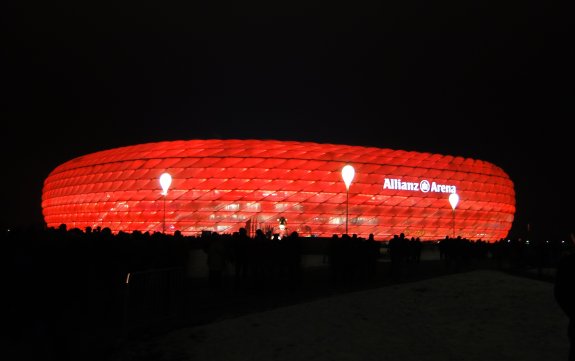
423	186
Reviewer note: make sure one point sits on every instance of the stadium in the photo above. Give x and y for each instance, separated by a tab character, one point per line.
222	185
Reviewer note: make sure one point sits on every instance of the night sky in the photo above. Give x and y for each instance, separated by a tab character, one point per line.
488	80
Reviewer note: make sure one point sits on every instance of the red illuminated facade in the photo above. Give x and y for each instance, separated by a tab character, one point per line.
222	185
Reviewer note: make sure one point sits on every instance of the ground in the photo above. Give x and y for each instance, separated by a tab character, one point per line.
481	314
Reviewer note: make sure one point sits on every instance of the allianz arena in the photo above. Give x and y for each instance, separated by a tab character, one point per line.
222	185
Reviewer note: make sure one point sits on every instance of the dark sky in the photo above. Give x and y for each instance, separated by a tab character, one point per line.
489	80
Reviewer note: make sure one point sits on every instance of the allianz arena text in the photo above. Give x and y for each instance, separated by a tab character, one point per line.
223	185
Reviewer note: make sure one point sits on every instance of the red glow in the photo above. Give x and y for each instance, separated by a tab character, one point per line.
218	185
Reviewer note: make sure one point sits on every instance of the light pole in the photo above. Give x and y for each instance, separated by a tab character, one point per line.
165	182
453	200
347	173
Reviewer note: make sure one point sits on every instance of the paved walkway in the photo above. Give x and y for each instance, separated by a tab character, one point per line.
431	313
203	305
86	335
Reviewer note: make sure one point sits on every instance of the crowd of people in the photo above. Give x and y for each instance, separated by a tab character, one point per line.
75	271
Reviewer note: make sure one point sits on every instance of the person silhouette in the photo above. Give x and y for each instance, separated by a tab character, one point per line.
564	292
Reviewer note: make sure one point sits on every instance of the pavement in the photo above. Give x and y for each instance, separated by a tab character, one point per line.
428	312
193	304
203	305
